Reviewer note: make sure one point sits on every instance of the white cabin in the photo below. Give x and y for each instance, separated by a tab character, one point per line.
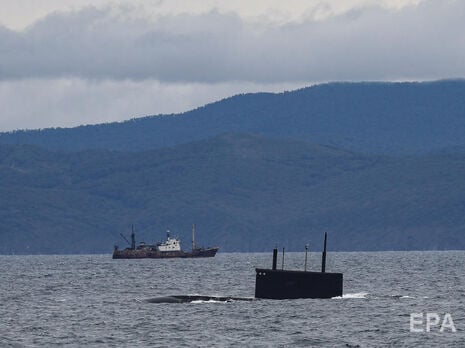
171	244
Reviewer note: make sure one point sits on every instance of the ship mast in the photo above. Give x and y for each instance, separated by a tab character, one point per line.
133	239
193	237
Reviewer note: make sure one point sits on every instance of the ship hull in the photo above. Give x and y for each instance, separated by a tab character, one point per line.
155	254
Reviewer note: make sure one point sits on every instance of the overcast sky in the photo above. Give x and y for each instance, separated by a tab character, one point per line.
65	63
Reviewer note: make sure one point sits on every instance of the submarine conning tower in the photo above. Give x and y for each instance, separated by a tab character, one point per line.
283	284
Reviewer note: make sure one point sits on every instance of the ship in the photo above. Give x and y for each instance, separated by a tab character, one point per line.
170	248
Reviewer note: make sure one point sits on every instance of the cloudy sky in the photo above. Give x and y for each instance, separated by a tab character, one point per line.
70	62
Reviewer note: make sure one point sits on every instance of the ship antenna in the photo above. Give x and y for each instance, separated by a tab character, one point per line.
193	237
306	252
323	257
275	257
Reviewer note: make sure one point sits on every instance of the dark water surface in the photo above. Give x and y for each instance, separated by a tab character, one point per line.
92	300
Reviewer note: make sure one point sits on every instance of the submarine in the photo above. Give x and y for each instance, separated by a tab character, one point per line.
280	284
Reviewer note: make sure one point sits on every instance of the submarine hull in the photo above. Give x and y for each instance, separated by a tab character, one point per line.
282	284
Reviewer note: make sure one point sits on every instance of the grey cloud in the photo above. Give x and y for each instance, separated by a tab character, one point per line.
369	43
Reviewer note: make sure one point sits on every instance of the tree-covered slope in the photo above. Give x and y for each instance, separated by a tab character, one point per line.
244	192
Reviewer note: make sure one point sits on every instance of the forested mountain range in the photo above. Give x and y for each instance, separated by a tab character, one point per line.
376	118
245	192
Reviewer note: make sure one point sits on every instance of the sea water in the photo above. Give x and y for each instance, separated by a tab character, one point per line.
92	300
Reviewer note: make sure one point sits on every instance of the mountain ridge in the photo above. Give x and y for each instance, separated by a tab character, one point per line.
368	117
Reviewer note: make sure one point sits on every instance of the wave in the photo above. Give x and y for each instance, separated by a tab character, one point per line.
354	295
210	301
196	299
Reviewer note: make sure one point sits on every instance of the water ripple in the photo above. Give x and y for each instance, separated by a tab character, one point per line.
92	300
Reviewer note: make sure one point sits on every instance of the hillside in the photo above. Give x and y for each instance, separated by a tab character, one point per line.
376	118
244	192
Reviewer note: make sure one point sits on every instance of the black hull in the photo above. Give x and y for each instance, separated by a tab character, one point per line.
281	284
154	254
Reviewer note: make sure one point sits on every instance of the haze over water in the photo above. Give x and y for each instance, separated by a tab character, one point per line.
92	300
